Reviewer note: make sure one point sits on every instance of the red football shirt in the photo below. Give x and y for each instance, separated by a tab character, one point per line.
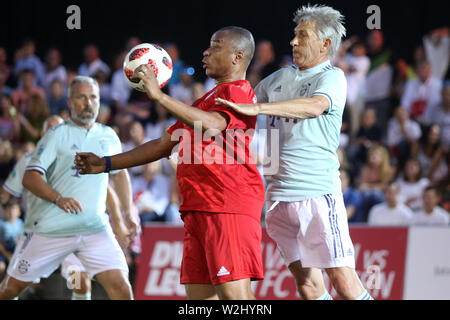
219	174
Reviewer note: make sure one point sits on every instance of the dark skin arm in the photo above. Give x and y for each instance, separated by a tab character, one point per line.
185	113
89	163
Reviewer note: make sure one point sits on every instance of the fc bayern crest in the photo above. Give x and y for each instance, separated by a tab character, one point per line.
23	266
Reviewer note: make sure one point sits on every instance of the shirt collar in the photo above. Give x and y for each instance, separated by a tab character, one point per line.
72	123
315	69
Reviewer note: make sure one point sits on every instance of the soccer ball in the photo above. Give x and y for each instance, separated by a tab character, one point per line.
153	55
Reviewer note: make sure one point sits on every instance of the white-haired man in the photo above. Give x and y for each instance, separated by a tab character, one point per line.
67	214
306	214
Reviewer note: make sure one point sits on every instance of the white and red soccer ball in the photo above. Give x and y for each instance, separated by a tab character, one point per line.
153	55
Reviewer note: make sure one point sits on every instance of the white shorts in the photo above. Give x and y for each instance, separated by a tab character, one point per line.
314	232
38	257
71	263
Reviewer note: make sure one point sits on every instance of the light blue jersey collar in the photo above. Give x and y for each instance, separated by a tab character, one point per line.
72	123
316	69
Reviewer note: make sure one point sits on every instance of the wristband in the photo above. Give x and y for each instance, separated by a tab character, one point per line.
57	198
108	164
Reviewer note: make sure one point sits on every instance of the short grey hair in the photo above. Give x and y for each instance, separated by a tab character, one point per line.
329	23
82	79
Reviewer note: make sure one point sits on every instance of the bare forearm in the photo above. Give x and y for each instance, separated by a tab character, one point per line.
302	108
145	153
33	181
122	187
189	115
113	206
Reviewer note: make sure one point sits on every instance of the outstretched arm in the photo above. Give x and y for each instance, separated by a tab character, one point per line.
301	108
89	163
185	113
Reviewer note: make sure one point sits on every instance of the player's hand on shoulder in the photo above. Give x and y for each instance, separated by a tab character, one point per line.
89	163
69	205
244	108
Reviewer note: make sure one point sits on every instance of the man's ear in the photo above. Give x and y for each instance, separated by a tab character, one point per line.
326	45
238	56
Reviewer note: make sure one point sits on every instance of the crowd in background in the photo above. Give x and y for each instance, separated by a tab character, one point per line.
395	137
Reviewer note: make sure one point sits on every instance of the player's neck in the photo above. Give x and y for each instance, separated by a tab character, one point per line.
230	78
80	124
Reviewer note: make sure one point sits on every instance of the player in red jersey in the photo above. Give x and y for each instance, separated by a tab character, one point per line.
222	190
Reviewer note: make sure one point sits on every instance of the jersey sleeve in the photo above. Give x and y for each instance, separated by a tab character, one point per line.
45	153
235	94
13	183
332	84
261	91
175	126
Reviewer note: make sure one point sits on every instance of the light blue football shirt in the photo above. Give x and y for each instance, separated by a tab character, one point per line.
54	157
308	164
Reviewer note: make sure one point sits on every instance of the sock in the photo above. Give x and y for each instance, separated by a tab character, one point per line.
76	296
325	296
365	296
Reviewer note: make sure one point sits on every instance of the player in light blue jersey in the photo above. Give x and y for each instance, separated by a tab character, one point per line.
67	213
304	103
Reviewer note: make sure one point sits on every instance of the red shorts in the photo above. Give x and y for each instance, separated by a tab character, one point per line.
219	248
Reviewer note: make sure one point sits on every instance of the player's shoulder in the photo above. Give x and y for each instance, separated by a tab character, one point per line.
104	129
331	71
240	85
284	73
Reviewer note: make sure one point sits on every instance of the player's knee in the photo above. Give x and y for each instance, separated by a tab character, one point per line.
308	289
344	286
122	287
9	291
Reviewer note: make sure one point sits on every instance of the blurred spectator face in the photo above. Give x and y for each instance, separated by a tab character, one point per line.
391	193
12	212
446	96
186	79
132	42
6	104
29	49
3	56
412	170
401	114
375	157
27	79
137	132
430	199
2	77
91	53
369	118
375	40
173	52
435	134
53	59
101	77
359	50
264	53
70	75
419	54
56	89
38	106
423	71
151	169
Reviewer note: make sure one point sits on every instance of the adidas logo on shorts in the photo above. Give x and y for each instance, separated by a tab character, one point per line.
223	272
